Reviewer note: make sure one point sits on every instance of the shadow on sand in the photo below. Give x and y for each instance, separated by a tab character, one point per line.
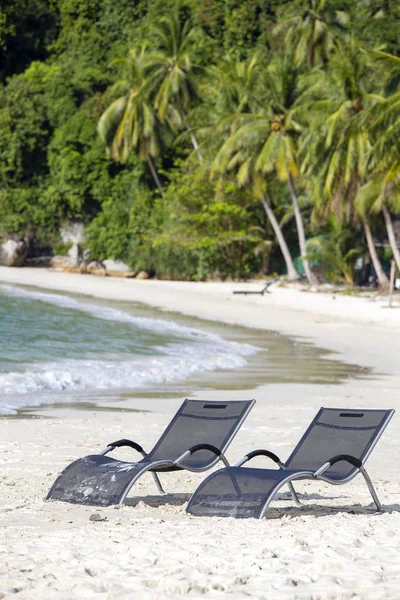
156	501
325	511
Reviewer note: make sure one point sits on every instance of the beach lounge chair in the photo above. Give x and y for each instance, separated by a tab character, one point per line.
334	449
264	290
196	439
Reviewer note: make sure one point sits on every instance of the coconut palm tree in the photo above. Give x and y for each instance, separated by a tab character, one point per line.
129	124
266	140
174	70
232	88
336	150
236	88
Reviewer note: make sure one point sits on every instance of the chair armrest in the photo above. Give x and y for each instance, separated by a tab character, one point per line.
356	462
198	447
209	447
255	453
120	443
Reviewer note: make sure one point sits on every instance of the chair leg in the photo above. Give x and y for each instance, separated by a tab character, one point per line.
371	489
294	494
158	483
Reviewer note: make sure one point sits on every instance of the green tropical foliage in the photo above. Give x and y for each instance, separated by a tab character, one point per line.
198	140
309	30
334	250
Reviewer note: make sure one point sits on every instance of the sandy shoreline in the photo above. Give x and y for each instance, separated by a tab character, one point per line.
332	547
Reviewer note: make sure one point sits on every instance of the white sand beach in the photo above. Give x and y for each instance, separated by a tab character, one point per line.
333	547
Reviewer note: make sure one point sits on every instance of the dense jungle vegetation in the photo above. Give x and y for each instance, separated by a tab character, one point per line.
222	138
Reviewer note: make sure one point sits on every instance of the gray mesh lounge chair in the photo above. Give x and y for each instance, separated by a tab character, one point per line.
333	449
196	439
264	290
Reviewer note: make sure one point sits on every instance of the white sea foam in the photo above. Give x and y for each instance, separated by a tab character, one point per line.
199	351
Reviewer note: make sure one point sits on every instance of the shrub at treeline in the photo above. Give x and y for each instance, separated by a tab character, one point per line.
199	139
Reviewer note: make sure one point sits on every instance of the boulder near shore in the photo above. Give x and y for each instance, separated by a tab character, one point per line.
13	253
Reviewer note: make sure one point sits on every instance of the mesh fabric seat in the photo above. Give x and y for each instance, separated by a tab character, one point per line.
334	448
196	439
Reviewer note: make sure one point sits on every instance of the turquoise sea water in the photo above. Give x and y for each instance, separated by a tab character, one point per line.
54	345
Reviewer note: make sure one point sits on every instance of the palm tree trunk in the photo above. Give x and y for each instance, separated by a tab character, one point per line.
194	141
195	144
192	136
312	280
391	236
291	270
155	175
382	279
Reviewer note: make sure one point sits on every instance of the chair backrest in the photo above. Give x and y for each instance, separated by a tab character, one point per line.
339	431
201	422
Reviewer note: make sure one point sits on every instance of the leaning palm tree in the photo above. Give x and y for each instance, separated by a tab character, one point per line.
236	87
233	88
248	175
174	71
267	141
336	149
129	124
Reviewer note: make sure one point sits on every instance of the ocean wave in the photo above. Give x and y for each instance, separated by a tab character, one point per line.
104	375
